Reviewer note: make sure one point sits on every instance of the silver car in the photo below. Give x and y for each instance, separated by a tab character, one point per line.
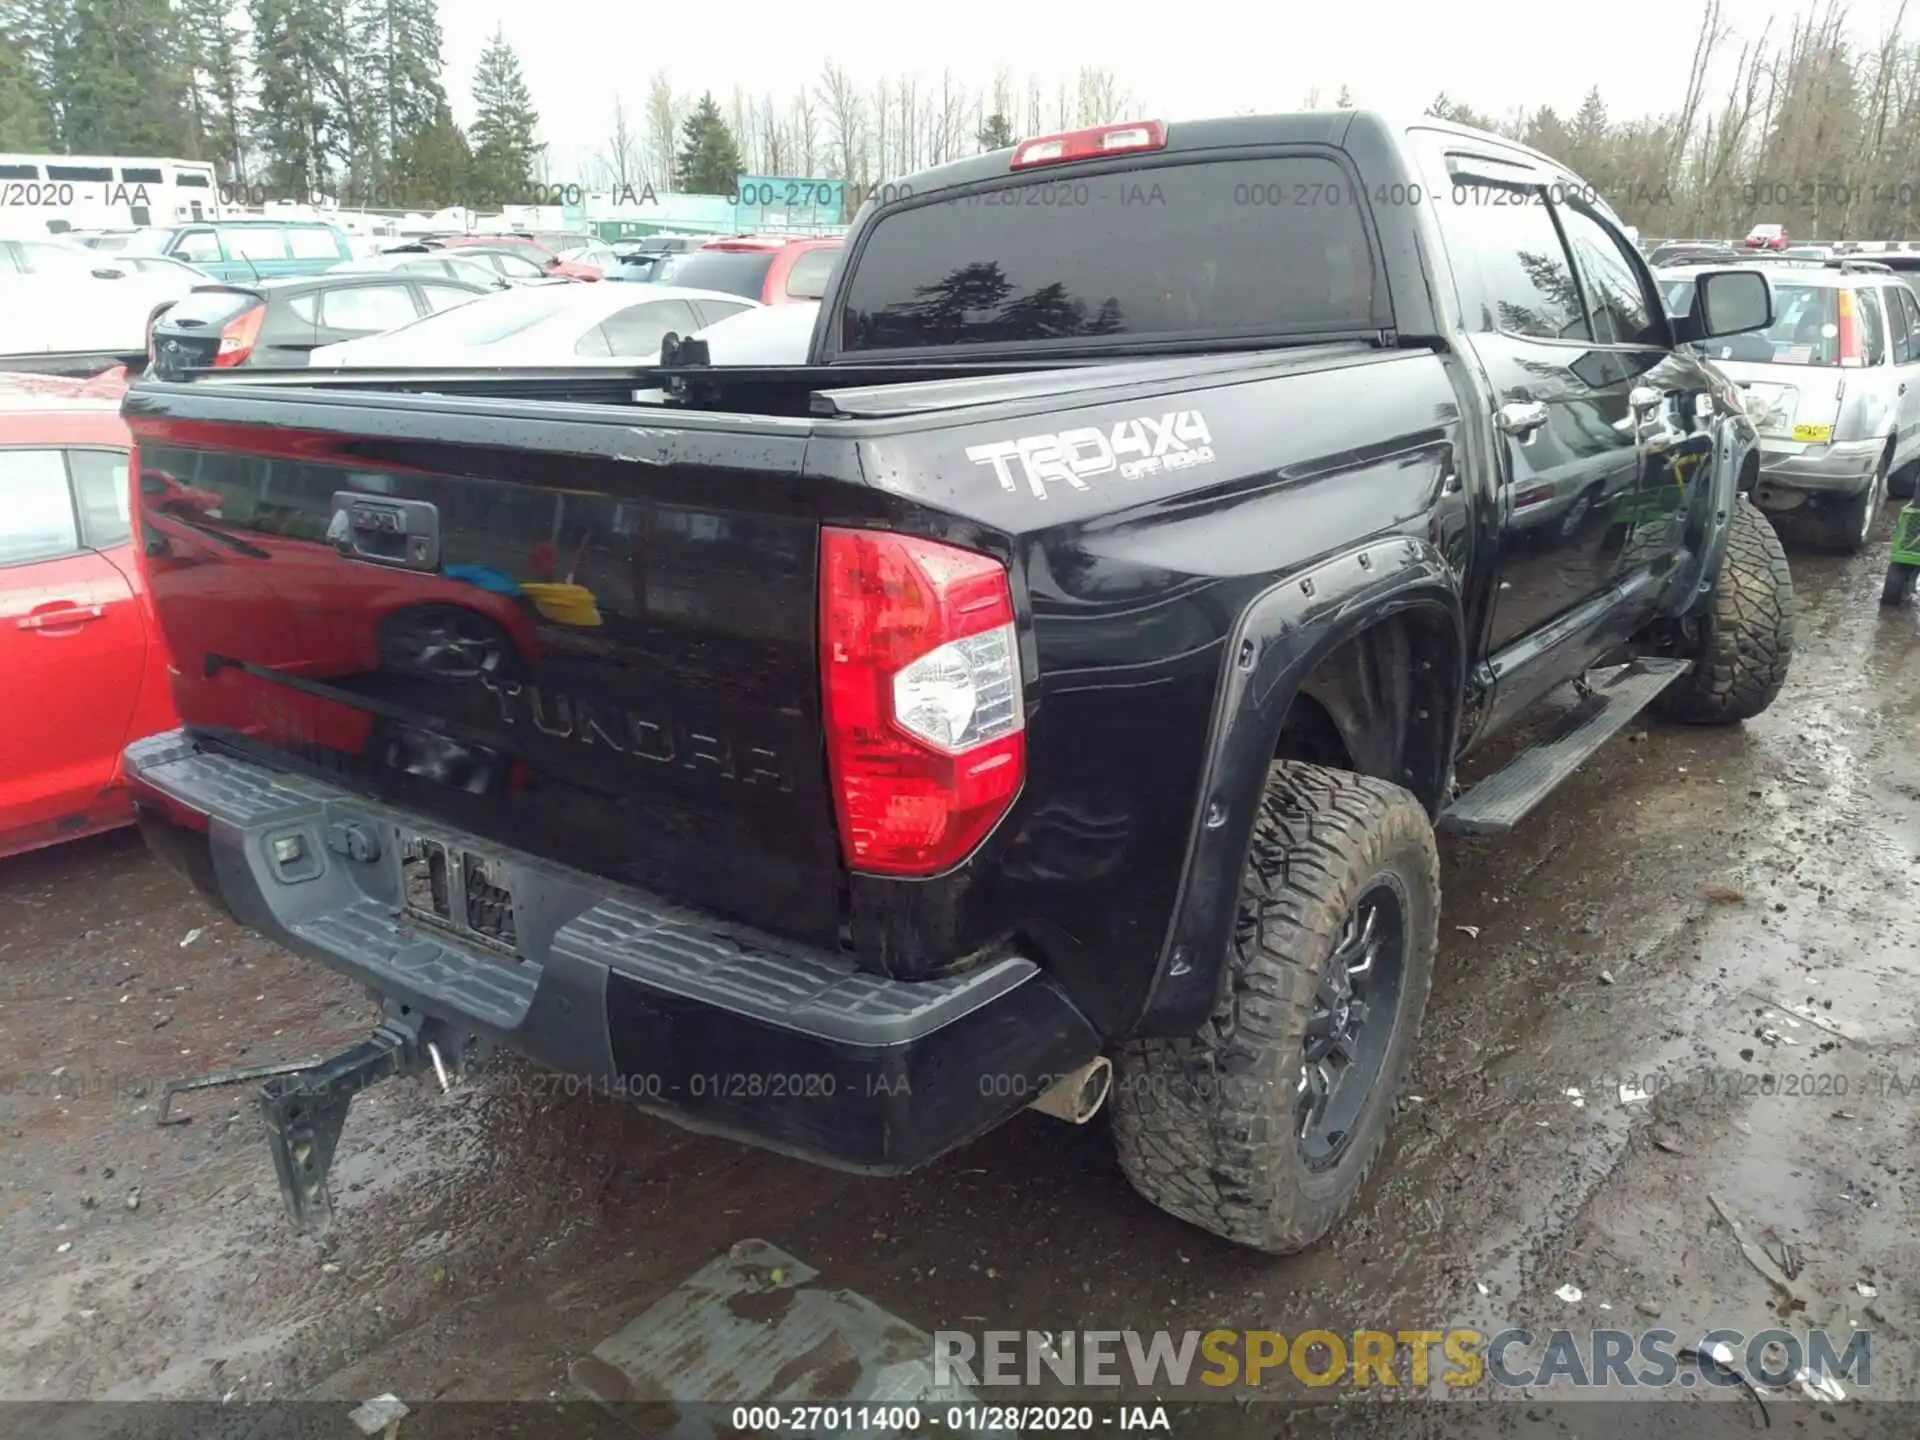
1834	389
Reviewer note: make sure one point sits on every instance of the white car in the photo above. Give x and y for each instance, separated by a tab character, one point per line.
421	261
59	298
543	325
764	335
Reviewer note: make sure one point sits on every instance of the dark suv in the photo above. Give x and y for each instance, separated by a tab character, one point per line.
282	322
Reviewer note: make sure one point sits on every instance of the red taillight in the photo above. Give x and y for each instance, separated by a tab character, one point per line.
925	723
1088	144
239	335
1853	349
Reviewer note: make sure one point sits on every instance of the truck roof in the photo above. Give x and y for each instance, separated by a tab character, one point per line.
1344	128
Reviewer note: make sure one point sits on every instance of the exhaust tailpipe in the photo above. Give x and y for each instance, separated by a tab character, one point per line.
1077	1096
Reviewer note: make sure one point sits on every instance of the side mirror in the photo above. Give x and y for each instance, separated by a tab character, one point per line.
1726	302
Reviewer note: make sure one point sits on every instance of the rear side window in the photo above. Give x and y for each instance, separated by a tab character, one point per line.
807	280
1873	325
737	272
36	508
307	244
246	242
639	329
1905	319
367	307
445	297
1269	246
1507	234
100	485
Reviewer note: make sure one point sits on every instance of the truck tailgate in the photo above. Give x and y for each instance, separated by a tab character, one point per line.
592	640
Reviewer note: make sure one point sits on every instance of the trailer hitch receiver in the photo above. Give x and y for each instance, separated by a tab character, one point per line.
305	1110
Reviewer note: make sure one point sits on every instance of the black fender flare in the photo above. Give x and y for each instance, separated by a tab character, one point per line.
1280	638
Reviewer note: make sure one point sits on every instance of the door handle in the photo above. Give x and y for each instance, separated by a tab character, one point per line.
1521	420
61	619
1644	399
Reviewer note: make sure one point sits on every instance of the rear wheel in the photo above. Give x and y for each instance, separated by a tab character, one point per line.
1262	1127
1900	482
1900	584
1742	646
1845	525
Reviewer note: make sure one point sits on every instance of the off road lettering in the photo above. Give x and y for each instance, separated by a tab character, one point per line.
1148	445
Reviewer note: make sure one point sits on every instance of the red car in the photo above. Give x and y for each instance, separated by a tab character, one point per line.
527	246
766	268
1766	237
85	668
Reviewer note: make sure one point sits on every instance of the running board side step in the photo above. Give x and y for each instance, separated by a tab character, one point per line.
1501	801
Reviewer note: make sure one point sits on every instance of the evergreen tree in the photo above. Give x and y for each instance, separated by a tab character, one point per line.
121	80
995	133
433	166
504	150
217	85
294	119
27	120
399	42
709	160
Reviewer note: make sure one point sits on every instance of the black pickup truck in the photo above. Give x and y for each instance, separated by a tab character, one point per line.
1048	691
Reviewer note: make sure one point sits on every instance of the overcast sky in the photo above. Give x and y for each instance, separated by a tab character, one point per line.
1193	58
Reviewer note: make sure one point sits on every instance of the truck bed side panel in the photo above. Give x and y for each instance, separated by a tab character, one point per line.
1134	584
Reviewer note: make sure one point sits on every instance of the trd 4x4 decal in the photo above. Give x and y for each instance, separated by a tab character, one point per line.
1149	445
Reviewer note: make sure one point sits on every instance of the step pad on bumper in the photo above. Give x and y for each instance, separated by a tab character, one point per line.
560	914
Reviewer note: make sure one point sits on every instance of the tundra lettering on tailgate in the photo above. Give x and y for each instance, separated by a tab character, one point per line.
1149	445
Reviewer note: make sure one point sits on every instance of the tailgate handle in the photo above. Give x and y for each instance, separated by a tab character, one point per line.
386	531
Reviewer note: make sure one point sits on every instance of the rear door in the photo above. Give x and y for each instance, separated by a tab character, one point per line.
1564	418
71	638
1903	324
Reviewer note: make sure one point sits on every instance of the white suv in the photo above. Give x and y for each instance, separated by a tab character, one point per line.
1834	389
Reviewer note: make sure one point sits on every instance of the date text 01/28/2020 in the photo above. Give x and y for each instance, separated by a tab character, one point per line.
962	1419
744	1085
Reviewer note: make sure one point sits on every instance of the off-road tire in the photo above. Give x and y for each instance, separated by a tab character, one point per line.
1745	641
1900	482
1204	1126
1900	584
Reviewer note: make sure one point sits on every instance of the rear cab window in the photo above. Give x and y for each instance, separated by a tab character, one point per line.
1273	246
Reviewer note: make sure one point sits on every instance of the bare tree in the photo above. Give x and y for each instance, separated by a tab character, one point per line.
803	130
619	159
664	109
846	124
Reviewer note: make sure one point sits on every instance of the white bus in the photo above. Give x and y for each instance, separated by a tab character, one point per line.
104	192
